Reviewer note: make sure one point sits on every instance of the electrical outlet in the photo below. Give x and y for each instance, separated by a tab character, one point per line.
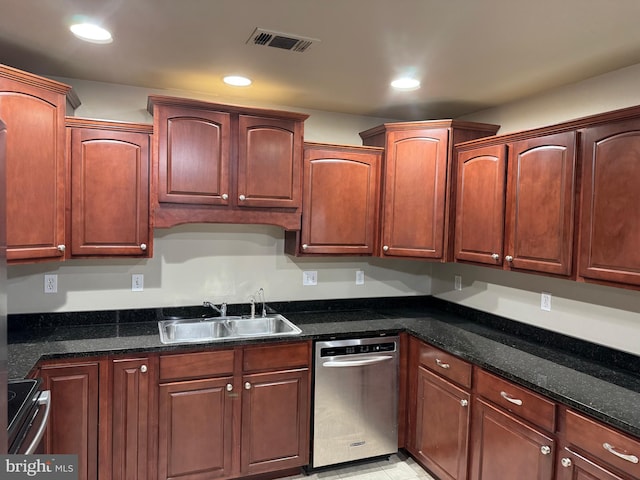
309	278
359	277
545	302
137	282
457	282
51	283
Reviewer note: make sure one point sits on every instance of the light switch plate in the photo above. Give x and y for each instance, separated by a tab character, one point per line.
137	282
457	282
359	277
545	302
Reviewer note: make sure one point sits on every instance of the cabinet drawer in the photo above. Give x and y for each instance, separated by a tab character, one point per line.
196	365
604	443
271	357
528	405
446	365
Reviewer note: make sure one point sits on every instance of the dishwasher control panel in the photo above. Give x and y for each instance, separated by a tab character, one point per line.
358	349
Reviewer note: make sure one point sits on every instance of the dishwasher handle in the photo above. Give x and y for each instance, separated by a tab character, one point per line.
357	363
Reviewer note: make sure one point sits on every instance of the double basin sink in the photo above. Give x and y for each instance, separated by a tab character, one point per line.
211	329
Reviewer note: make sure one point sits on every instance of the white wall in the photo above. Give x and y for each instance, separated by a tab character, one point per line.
192	263
604	315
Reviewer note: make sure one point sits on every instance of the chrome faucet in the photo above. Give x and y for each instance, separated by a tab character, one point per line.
222	310
261	298
252	299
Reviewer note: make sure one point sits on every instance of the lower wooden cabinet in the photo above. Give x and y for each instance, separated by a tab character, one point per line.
73	422
573	466
503	446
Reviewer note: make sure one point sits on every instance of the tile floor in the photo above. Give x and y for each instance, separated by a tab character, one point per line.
398	467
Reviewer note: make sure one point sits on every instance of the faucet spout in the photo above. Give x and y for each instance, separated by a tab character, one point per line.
222	310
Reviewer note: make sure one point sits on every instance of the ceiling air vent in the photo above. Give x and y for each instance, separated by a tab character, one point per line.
285	41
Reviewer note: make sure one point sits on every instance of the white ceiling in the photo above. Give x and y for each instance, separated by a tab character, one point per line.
468	54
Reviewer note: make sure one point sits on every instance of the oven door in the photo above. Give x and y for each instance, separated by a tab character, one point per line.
29	438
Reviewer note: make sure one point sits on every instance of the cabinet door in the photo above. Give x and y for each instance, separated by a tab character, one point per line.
575	467
442	426
340	203
193	148
269	162
109	193
275	421
415	176
73	421
540	204
480	205
195	429
610	227
132	401
505	447
35	171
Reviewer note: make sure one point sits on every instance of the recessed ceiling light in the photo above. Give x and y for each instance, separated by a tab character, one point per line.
237	80
406	83
90	32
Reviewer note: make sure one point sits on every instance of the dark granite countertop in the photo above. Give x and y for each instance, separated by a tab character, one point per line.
595	380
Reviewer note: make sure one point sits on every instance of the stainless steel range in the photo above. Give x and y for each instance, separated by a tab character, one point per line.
28	413
355	413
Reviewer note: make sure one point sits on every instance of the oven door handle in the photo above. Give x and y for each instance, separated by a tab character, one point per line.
357	363
43	399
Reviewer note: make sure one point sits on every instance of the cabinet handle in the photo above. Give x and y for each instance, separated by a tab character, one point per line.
143	369
509	398
61	248
441	364
242	198
464	402
143	246
509	258
247	386
545	449
229	387
385	248
611	449
565	462
495	256
225	196
305	246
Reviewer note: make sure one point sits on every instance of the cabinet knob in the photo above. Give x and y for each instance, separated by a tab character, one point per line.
229	387
385	248
495	256
305	246
247	386
225	196
143	246
143	368
545	449
61	248
565	462
464	402
509	258
242	198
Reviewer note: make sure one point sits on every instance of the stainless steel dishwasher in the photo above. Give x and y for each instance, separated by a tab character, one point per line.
355	413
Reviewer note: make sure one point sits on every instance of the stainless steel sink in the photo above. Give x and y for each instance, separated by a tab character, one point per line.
201	330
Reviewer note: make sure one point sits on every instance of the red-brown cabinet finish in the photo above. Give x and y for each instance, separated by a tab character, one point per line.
195	431
417	186
541	197
73	421
110	183
573	466
226	164
341	192
33	108
503	446
610	224
133	444
480	204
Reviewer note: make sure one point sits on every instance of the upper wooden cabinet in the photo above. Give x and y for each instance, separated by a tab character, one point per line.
222	163
109	194
610	223
515	203
341	190
33	109
416	194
